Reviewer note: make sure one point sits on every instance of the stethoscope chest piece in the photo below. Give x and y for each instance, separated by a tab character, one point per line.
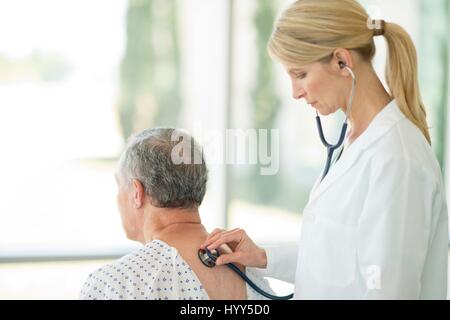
208	258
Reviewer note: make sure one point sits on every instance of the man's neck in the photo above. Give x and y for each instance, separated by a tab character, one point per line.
160	222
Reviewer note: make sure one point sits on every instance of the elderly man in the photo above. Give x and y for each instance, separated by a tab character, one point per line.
160	187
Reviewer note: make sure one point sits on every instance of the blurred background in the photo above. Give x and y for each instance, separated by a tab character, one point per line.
77	78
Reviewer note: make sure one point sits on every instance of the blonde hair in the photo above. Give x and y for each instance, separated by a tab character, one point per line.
310	31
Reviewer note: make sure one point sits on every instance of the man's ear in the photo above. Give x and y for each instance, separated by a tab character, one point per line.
138	194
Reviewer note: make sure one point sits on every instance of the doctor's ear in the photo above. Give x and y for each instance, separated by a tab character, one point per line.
348	70
342	57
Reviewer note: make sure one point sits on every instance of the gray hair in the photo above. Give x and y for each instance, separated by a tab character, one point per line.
149	158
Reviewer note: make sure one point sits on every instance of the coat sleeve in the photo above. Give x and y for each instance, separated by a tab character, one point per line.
281	261
394	229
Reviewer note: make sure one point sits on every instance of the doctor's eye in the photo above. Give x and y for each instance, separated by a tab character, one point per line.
300	75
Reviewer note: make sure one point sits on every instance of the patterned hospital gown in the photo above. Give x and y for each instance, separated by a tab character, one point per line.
156	271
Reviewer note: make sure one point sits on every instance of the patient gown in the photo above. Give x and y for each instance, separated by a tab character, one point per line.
156	271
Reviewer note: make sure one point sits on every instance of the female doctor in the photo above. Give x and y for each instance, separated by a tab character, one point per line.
376	224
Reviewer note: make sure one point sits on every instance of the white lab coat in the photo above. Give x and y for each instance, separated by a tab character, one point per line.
376	227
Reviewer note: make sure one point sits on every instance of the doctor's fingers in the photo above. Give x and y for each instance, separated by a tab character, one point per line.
232	237
215	235
235	257
215	231
208	239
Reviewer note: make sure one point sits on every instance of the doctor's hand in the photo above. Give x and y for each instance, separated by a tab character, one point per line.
244	251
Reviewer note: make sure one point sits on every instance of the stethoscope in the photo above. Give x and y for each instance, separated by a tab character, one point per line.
208	258
330	147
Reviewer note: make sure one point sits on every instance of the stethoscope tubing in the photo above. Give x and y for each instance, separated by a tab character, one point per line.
255	287
332	147
247	279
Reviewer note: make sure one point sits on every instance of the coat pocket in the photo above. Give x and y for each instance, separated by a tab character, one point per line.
331	257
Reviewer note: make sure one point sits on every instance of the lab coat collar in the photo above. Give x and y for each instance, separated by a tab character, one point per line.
380	125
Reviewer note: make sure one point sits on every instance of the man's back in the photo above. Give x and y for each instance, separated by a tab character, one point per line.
158	271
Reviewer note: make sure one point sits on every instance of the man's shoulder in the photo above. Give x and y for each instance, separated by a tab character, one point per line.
149	255
128	271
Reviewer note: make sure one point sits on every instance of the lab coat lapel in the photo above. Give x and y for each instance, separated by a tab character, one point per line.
346	161
379	126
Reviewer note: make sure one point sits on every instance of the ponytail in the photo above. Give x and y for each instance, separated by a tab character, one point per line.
401	76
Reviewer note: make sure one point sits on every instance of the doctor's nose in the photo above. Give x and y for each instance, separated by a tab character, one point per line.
298	94
297	91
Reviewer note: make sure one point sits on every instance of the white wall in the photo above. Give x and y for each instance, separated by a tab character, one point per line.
204	47
447	153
